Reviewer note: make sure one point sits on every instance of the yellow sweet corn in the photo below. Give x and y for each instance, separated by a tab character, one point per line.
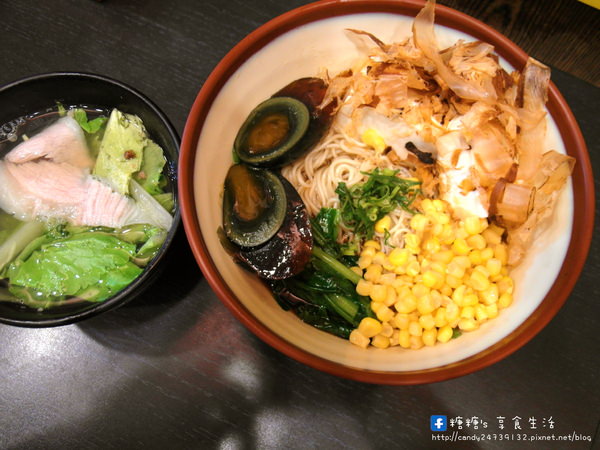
380	341
373	139
357	338
383	224
449	274
369	327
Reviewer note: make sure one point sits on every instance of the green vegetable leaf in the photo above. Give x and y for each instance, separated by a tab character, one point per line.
89	126
92	265
121	150
363	204
150	175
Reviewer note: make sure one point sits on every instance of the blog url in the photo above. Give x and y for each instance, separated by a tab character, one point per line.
455	436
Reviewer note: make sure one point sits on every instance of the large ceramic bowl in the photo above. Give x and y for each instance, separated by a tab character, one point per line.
299	44
39	93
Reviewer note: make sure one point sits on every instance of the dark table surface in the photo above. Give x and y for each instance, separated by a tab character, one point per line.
174	369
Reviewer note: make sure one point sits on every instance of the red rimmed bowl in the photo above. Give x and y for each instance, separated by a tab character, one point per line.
298	44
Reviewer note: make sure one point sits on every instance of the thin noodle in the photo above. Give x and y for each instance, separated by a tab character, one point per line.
341	158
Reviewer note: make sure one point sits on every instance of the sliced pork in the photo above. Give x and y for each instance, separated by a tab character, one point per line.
59	191
61	142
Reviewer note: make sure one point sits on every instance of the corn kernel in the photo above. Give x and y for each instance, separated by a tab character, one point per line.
419	222
380	341
460	247
365	261
425	304
390	298
375	306
460	233
475	257
491	236
491	310
439	205
462	261
385	314
357	338
387	329
427	206
436	298
383	224
453	282
454	322
368	251
454	269
490	295
480	313
446	290
429	337
432	245
419	290
369	327
357	270
387	279
440	218
406	304
494	266
505	285
470	299
363	287
486	254
398	256
372	243
501	253
476	241
373	273
505	300
404	338
459	294
427	321
430	278
400	321
413	269
412	242
468	312
473	225
378	293
444	334
395	338
467	324
440	317
379	258
478	280
415	328
416	342
446	235
373	139
443	256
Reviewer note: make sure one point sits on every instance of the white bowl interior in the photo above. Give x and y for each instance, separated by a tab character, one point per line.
304	52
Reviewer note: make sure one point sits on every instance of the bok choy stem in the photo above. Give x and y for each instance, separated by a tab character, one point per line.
335	265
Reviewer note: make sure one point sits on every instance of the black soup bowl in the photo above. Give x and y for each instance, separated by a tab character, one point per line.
28	98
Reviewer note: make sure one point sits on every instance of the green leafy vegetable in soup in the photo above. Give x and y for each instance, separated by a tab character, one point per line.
96	212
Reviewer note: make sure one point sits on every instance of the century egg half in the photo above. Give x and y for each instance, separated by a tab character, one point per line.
254	205
285	126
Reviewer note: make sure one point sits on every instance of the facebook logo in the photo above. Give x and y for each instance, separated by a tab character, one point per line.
438	423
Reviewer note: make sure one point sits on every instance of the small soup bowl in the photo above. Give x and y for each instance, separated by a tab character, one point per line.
40	93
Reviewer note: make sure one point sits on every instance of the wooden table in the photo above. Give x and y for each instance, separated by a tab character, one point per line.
174	369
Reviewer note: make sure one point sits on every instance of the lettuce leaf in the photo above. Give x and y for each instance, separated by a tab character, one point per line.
150	176
90	265
121	150
89	126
